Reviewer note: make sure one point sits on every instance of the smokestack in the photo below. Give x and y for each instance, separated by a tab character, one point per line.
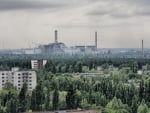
142	47
56	36
96	39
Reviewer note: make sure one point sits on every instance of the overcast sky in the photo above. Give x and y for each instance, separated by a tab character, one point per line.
119	23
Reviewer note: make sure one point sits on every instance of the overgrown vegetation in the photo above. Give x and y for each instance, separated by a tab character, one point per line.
120	89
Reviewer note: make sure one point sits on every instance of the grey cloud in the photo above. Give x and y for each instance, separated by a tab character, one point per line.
40	4
139	2
122	9
142	7
28	4
101	12
144	11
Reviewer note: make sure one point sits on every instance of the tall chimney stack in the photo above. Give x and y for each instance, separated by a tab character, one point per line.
96	39
142	47
56	36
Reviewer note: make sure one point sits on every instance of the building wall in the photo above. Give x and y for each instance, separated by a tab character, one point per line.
18	78
38	64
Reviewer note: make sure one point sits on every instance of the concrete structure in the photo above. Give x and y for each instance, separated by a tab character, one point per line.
96	39
56	48
142	47
18	78
56	36
71	51
38	64
139	72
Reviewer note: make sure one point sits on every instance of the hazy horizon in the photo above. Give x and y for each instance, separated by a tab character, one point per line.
119	23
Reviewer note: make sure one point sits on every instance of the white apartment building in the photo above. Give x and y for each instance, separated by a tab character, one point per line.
38	64
18	78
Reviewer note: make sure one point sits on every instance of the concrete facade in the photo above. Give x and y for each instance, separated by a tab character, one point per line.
38	64
18	78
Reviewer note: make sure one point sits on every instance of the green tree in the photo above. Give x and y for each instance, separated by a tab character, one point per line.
134	67
116	106
142	108
12	106
134	105
56	95
71	96
38	97
23	98
56	99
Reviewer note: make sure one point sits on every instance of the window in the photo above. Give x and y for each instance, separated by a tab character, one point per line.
3	81
3	74
18	73
18	84
18	77
3	77
30	81
19	81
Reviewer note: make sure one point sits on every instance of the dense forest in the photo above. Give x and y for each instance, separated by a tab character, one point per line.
123	91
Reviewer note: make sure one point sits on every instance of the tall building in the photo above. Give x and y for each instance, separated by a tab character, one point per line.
18	78
38	64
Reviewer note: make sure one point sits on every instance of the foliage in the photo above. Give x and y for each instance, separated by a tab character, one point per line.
57	88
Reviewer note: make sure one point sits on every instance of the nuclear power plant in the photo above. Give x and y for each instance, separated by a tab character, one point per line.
59	48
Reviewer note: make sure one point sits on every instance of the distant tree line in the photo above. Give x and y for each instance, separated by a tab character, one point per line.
62	65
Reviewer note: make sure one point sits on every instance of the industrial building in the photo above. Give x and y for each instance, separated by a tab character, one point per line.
56	48
59	48
18	78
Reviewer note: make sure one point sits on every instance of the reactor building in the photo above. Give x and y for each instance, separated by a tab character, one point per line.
59	48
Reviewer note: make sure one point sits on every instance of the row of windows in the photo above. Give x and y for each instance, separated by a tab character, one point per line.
19	88
4	80
18	81
7	77
25	77
25	81
18	77
20	84
18	73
